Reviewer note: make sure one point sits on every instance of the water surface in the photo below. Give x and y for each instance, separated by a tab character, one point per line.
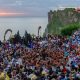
30	24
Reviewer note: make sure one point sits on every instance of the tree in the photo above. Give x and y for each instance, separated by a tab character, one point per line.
17	37
69	29
25	38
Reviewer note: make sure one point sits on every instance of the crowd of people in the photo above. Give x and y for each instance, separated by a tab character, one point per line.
52	58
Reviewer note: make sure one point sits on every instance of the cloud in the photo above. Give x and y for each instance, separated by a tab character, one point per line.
11	14
36	7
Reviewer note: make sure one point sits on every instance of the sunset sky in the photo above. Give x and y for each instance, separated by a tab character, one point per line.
33	7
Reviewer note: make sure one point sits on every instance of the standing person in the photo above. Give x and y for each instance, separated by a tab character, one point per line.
3	75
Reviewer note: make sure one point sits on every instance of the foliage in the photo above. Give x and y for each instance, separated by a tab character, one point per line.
26	39
69	29
61	18
17	37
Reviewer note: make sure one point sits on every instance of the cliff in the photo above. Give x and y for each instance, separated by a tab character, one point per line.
60	18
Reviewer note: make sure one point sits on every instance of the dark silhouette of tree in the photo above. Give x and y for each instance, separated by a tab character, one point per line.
0	42
27	39
17	37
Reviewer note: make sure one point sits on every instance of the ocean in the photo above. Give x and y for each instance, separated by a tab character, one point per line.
30	24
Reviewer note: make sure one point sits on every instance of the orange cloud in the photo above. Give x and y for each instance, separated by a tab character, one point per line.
3	13
11	14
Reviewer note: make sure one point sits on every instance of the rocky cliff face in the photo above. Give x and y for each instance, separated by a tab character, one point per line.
60	18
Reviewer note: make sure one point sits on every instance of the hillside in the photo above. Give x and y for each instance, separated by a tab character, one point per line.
61	18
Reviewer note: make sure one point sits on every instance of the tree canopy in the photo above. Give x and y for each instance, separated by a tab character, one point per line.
69	29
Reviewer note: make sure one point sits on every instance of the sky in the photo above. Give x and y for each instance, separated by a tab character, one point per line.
33	7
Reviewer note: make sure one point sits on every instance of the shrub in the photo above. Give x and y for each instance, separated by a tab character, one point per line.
69	29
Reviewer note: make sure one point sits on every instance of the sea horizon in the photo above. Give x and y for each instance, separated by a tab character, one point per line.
30	24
